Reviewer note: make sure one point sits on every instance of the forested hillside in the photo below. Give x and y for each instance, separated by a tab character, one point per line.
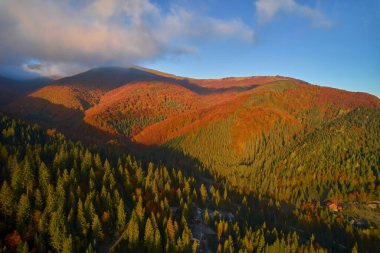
143	161
337	160
61	195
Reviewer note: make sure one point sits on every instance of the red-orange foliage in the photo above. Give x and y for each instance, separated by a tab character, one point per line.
12	240
170	106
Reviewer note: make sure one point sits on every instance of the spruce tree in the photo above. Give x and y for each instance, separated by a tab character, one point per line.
6	199
121	216
23	212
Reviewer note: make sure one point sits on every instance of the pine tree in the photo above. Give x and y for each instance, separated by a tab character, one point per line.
140	210
23	212
51	202
149	236
6	199
157	241
38	202
228	245
96	228
170	230
44	178
16	174
203	192
120	215
219	229
68	245
82	223
261	243
207	217
131	234
27	177
57	230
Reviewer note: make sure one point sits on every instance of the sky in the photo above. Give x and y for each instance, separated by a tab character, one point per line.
327	42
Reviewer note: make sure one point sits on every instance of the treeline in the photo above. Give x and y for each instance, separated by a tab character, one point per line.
59	195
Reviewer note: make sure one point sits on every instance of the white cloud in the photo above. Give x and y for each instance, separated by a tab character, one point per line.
60	34
267	9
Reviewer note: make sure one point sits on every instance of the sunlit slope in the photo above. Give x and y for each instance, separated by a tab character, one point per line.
124	101
130	108
291	105
152	108
296	143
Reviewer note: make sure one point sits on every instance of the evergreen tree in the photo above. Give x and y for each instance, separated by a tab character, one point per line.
132	232
6	199
96	228
149	236
68	245
57	230
23	212
203	192
44	178
82	223
140	210
157	241
27	177
121	216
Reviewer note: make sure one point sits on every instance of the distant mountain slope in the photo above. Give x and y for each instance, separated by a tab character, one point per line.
295	104
343	156
124	100
316	154
152	107
130	108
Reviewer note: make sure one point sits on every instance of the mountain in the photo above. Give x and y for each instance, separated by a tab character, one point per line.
95	98
151	107
256	164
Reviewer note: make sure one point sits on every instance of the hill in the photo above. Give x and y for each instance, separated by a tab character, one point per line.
151	107
105	99
248	154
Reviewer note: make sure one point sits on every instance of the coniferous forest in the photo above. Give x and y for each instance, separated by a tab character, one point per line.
63	196
262	137
165	164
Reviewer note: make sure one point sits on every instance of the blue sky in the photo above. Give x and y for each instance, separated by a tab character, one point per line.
345	54
327	42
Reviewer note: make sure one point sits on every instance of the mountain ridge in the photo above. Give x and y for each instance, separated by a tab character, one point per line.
152	107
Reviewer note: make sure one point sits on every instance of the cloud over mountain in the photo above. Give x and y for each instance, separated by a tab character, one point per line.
62	36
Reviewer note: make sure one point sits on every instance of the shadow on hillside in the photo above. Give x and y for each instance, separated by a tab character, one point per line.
48	115
260	209
113	77
205	91
70	122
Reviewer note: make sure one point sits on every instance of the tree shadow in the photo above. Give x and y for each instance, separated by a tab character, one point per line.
259	210
113	77
54	116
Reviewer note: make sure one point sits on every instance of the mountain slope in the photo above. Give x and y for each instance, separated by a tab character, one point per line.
295	104
152	108
120	100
